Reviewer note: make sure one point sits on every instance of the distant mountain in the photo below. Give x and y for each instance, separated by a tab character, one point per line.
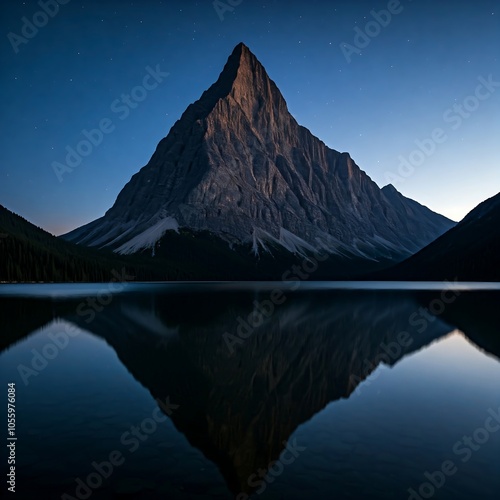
418	219
468	252
238	166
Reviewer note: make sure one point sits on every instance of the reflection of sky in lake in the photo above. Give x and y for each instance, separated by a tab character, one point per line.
407	419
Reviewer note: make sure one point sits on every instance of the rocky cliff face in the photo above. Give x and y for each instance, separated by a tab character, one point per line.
239	165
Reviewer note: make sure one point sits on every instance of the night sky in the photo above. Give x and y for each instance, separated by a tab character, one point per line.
431	74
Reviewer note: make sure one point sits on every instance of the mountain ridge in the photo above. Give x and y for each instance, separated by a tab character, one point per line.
468	252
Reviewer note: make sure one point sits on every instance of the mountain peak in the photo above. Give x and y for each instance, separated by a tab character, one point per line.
390	189
240	49
241	58
243	67
243	78
243	54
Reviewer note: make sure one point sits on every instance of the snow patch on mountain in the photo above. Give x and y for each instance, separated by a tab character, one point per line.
121	235
294	243
149	237
259	240
289	241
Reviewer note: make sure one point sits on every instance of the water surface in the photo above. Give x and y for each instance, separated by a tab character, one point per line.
200	389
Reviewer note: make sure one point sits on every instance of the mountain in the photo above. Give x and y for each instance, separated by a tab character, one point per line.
468	252
238	166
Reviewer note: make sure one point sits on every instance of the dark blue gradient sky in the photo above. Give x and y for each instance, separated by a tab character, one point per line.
416	75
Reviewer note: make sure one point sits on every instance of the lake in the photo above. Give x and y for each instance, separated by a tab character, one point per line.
233	390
